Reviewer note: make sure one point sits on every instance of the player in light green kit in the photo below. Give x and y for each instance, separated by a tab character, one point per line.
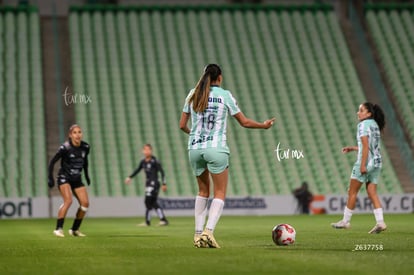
367	168
208	106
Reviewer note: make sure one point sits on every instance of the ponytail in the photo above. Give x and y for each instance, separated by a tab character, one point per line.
376	113
199	99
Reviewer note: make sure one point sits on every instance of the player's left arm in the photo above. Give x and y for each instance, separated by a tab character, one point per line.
364	156
86	168
184	121
161	170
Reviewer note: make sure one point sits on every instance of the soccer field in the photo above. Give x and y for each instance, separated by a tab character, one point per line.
117	246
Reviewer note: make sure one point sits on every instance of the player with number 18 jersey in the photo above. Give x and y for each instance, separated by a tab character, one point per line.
208	106
208	128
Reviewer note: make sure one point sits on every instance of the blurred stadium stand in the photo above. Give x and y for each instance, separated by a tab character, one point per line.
393	33
22	120
137	64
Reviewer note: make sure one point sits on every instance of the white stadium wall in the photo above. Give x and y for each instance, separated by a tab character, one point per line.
184	206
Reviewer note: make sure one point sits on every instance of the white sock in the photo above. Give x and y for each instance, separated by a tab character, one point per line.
160	213
200	213
216	209
347	214
378	215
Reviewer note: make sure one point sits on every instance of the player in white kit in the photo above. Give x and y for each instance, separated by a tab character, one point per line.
208	106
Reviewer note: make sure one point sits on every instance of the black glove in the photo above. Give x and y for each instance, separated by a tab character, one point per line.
51	182
88	181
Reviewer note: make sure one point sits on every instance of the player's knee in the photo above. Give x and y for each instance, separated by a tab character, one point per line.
84	208
67	202
85	204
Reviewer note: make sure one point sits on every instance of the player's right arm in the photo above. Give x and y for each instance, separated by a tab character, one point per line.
52	162
250	123
186	114
129	179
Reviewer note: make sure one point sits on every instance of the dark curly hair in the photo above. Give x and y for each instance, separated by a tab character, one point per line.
376	113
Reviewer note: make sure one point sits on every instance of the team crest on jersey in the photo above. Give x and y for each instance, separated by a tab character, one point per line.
149	166
71	155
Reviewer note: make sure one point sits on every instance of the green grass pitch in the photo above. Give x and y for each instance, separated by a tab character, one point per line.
117	246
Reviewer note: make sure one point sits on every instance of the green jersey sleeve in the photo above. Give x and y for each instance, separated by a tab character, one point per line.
187	107
231	104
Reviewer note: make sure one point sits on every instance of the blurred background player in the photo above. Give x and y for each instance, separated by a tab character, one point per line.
208	106
304	198
74	157
152	167
367	168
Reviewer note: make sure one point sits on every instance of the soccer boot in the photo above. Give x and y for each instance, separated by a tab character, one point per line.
341	225
209	239
163	223
378	228
76	233
59	233
198	241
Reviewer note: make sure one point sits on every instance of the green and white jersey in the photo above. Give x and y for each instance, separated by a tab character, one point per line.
369	128
208	129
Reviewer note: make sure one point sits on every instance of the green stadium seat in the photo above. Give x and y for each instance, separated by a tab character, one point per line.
297	68
393	35
21	115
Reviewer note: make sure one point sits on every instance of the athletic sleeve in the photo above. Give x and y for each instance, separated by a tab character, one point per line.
363	129
187	107
231	104
137	170
86	165
161	170
61	151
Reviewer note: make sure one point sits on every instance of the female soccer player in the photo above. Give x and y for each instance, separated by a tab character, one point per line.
152	185
367	168
74	155
208	106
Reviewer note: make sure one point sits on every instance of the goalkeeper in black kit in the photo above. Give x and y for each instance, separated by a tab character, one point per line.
152	185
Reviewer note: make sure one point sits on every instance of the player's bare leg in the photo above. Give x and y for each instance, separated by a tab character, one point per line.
66	194
353	190
379	217
82	196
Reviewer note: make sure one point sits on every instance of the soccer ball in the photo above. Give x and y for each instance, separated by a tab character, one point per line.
283	234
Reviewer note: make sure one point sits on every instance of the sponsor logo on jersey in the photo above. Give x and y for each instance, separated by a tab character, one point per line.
215	100
202	139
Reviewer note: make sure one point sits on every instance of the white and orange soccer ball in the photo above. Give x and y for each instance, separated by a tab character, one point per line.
283	234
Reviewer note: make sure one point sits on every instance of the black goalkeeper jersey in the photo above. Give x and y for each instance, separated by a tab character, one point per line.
73	160
152	168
